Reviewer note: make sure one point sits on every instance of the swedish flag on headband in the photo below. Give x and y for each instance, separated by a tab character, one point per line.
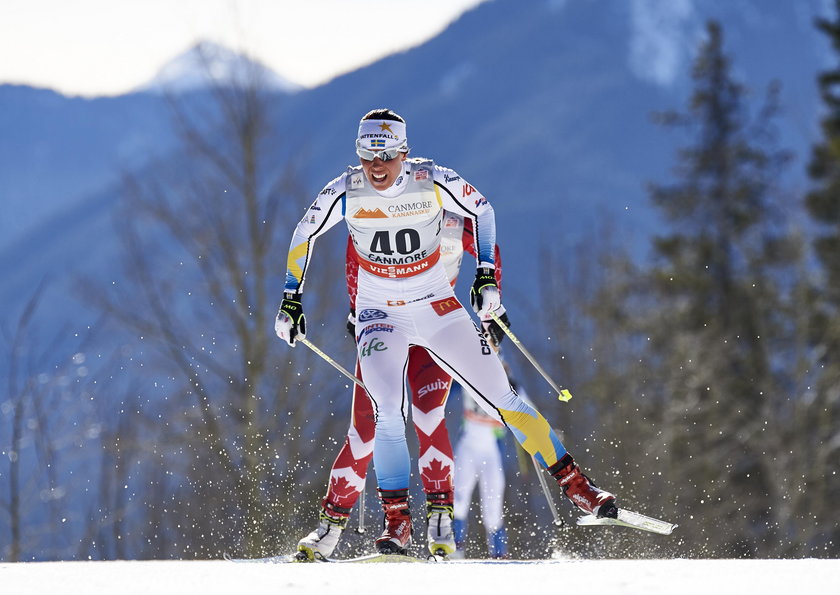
377	143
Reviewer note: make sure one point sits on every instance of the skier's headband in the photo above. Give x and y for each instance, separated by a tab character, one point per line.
377	135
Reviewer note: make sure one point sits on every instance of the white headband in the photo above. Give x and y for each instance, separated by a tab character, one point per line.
376	135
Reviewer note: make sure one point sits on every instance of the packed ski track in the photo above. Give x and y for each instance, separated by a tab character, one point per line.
648	577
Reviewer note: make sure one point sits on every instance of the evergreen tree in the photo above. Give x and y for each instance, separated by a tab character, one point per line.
823	205
714	298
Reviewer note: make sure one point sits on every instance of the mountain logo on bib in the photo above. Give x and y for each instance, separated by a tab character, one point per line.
363	213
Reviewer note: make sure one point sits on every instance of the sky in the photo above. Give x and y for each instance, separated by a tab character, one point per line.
109	47
614	577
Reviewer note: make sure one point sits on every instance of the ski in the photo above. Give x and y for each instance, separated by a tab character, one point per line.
268	560
369	558
377	558
628	518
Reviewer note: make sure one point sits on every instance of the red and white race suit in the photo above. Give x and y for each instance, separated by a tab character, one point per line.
428	384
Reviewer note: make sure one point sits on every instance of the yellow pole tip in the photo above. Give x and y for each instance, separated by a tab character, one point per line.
564	395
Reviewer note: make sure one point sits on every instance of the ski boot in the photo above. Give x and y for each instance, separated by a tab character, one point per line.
321	543
497	542
581	491
439	512
396	536
459	530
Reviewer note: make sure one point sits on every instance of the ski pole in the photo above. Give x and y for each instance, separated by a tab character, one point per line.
558	520
361	528
563	394
340	368
333	363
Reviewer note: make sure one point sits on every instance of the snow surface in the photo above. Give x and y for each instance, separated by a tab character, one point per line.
557	577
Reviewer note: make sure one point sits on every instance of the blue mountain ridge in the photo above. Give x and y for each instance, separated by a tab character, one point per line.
537	103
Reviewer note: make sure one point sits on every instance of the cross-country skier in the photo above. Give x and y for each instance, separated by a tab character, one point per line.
429	387
478	463
393	207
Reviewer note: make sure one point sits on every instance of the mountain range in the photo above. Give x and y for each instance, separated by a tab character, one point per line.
544	105
207	64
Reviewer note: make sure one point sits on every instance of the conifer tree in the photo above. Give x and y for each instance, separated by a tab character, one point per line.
823	202
823	206
714	327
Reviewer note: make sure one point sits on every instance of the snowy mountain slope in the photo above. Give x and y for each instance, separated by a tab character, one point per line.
206	64
56	151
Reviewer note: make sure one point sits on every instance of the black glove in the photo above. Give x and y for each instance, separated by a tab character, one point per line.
351	324
484	295
493	330
290	322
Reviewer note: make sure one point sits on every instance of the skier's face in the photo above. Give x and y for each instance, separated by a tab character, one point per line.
381	174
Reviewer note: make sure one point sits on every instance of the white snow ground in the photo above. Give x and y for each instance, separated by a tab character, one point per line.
556	577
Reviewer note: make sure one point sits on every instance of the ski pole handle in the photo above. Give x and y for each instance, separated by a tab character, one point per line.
333	363
563	394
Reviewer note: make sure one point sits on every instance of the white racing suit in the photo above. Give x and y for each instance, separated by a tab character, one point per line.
478	462
405	298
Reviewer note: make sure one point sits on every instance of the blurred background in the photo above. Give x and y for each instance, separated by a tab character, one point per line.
665	176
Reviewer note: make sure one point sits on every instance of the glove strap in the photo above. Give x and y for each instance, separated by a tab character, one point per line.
292	306
483	277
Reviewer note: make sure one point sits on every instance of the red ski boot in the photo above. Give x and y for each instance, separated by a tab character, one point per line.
580	490
396	537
